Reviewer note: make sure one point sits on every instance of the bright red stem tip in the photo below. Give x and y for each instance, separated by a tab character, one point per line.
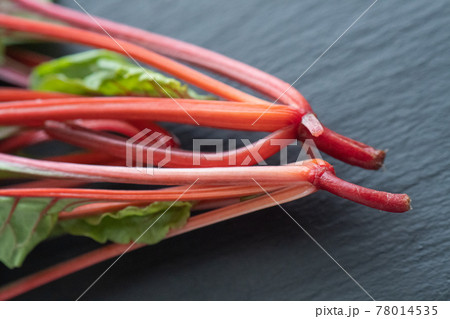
346	149
395	203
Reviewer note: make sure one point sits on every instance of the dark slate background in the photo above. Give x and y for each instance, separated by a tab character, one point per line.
386	82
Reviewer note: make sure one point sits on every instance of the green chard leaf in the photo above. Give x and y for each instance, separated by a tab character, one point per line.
24	223
103	72
131	223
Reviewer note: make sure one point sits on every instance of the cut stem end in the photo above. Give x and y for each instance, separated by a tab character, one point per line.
395	203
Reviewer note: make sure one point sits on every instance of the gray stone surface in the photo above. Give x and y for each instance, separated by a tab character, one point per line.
386	82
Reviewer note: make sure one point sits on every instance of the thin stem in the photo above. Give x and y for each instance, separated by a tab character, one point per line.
34	136
214	204
82	158
220	114
79	158
274	175
312	171
349	151
18	94
166	194
118	147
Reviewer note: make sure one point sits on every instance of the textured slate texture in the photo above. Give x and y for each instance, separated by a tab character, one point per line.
386	82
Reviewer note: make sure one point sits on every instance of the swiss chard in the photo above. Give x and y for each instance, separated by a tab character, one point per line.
103	72
33	211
